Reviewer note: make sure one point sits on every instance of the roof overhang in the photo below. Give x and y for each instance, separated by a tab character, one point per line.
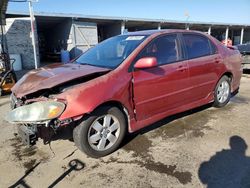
128	20
3	9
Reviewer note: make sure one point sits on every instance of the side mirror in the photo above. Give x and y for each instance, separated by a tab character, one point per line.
146	62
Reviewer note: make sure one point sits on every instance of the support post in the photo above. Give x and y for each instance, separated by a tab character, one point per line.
242	35
159	26
226	37
209	30
4	45
123	27
32	23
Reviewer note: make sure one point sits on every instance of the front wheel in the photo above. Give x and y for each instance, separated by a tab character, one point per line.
101	133
222	93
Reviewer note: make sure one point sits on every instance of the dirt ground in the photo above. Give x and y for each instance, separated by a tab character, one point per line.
202	147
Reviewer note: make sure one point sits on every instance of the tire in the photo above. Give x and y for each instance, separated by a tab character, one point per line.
222	92
95	137
1	92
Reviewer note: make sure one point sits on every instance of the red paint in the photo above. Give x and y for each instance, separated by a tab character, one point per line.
50	76
147	94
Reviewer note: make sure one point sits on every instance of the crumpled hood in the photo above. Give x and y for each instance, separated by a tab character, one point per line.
52	75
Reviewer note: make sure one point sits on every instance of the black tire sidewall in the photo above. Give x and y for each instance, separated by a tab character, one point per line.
80	133
216	102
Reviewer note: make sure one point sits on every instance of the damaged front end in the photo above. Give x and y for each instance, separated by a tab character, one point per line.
35	106
37	120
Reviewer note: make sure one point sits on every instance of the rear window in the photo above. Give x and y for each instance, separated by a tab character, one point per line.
197	46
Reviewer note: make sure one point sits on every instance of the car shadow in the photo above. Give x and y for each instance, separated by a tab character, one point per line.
129	137
163	122
228	167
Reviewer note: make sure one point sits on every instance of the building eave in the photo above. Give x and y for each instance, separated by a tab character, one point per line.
125	19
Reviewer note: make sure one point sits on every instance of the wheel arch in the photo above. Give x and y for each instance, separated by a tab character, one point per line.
81	130
117	104
229	75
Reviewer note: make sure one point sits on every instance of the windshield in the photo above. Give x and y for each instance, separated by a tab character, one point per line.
111	52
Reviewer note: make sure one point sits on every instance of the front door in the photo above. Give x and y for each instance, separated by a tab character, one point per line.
165	87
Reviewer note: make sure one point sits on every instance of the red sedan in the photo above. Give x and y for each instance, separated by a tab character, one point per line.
123	84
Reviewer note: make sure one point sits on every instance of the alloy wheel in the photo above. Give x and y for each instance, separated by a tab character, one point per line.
104	132
223	91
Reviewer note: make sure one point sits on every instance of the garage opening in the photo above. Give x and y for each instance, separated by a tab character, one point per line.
53	34
132	26
107	29
219	33
62	39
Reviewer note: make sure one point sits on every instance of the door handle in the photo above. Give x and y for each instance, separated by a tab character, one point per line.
182	68
217	60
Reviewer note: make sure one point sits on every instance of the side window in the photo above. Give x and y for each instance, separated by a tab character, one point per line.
196	45
213	48
164	48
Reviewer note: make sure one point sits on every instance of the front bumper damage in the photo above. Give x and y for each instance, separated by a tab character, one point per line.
31	131
28	135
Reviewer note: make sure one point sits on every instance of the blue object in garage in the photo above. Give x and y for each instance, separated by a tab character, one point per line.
65	58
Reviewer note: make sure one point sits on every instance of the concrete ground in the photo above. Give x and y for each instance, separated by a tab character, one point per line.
202	147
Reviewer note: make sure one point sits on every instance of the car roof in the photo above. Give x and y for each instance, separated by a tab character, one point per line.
162	31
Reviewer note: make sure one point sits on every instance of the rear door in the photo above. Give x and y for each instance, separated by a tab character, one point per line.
202	62
164	87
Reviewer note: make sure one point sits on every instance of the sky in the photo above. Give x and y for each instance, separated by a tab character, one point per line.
224	11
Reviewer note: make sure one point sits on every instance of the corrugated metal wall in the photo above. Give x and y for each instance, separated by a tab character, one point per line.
84	36
19	40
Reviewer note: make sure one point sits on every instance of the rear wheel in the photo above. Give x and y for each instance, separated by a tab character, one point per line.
1	92
222	92
101	133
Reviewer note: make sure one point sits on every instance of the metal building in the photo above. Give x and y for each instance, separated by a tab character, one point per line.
76	33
